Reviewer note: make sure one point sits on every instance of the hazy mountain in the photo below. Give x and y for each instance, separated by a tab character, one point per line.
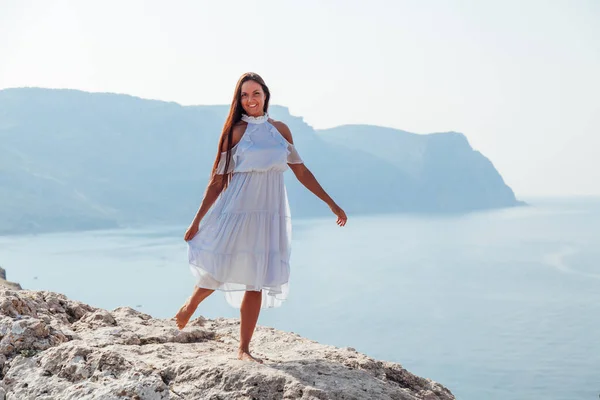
75	160
448	175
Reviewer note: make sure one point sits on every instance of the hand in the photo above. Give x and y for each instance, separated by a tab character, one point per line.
341	220
192	230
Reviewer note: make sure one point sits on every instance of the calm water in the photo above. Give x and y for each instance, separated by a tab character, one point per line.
494	305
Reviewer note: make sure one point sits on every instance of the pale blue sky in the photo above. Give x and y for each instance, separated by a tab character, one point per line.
519	78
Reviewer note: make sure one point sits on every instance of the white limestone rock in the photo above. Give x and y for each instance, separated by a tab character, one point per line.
52	347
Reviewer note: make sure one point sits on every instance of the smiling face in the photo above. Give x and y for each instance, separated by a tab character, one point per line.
252	97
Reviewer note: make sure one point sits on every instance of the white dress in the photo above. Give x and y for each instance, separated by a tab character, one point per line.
244	241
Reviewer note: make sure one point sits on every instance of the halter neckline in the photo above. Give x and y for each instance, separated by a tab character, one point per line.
255	120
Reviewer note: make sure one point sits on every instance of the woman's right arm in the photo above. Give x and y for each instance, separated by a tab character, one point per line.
213	190
215	186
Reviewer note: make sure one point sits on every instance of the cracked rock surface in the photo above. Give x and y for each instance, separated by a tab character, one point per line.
52	347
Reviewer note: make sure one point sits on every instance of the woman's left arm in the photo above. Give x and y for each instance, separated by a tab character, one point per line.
306	177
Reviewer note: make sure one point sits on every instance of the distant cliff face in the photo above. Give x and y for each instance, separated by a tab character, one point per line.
52	347
6	284
72	160
447	175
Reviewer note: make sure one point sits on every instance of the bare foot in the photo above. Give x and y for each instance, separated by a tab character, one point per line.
183	315
246	356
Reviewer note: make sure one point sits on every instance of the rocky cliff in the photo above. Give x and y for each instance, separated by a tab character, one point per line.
6	284
52	347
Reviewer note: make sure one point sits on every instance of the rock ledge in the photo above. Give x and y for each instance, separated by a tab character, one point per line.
52	347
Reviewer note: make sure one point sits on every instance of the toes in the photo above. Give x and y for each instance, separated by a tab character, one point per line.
249	357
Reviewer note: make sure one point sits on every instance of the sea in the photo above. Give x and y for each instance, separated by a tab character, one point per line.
501	304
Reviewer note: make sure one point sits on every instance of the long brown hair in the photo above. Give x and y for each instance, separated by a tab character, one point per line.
235	115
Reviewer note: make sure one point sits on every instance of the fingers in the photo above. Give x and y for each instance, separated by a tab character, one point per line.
343	217
340	214
341	221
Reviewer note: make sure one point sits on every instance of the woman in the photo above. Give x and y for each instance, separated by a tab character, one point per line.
242	246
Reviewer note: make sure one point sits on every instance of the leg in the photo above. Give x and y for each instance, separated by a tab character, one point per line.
187	310
249	315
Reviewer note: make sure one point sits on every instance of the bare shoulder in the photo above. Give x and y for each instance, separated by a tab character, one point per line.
238	131
239	128
283	129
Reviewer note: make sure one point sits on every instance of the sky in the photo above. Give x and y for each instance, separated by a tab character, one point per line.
519	78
